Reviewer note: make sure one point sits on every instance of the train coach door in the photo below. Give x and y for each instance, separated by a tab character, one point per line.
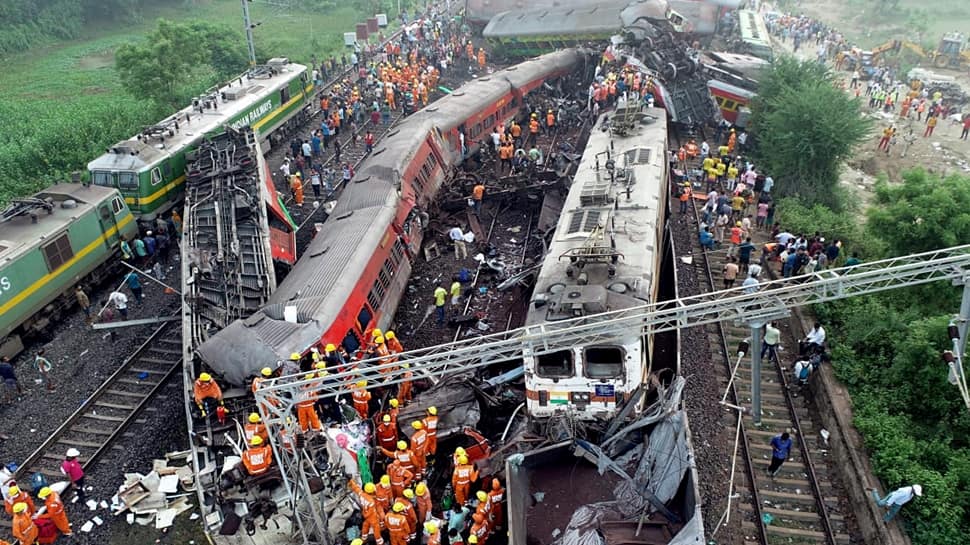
107	219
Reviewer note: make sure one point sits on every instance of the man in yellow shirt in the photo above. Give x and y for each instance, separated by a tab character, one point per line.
732	177
439	303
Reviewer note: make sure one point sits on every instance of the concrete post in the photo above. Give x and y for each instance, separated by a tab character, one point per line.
756	371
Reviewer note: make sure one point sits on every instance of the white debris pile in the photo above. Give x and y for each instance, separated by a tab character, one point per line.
157	497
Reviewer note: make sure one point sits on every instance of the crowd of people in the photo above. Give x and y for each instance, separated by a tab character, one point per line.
400	503
885	88
401	75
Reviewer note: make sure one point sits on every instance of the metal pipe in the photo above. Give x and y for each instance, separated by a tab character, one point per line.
511	418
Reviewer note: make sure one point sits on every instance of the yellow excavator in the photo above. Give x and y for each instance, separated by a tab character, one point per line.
951	52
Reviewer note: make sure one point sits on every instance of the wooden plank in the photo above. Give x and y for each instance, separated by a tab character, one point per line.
75	443
103	417
92	431
124	393
114	405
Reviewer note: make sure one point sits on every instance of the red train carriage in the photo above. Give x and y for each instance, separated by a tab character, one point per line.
355	270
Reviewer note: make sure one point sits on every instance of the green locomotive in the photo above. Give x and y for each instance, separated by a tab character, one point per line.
64	235
149	169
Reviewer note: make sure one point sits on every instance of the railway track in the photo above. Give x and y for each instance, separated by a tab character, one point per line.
103	417
801	504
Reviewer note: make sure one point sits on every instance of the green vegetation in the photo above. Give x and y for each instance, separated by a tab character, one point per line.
887	348
806	128
62	104
178	58
28	23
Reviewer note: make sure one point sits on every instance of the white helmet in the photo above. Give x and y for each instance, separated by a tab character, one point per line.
918	490
72	453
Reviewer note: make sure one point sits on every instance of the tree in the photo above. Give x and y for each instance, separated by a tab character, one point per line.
179	59
923	213
806	127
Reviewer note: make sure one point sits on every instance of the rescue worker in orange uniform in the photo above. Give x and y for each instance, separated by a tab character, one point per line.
397	525
404	387
423	501
394	410
403	455
456	456
481	58
362	399
386	433
419	445
732	141
434	535
479	529
483	508
495	498
370	509
206	393
14	496
393	343
55	510
24	528
255	427
409	511
296	188
383	354
384	492
431	426
470	51
306	411
550	121
400	477
516	131
265	373
533	129
462	479
258	457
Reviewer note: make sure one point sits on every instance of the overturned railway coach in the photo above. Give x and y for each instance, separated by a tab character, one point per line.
352	276
605	255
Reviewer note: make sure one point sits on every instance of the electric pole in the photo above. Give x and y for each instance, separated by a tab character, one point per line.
249	32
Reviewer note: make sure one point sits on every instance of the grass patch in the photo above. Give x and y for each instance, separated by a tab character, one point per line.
62	104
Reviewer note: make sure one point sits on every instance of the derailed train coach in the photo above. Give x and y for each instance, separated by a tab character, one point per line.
351	277
538	30
606	255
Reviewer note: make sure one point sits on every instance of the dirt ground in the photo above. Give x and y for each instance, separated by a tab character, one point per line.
943	152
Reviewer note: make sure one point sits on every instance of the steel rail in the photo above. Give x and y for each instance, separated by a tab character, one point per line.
735	399
88	404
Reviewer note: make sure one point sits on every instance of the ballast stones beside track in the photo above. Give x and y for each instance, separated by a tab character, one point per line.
788	504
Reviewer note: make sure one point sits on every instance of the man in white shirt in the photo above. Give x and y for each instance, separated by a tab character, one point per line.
895	500
769	183
750	283
814	341
770	342
120	302
458	239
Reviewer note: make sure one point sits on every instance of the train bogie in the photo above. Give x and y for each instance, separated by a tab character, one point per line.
149	169
64	235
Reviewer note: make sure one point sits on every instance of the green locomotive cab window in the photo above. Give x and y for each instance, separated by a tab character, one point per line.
58	253
103	178
284	95
117	205
128	180
156	176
